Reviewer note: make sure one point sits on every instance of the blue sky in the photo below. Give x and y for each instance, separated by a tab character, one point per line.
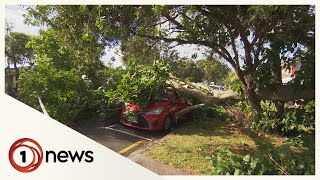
13	14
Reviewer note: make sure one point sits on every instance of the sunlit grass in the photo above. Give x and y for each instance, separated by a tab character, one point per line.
189	145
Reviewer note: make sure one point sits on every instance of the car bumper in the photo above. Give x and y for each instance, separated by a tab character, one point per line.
143	122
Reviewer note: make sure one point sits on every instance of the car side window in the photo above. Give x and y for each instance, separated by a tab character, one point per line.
162	95
176	96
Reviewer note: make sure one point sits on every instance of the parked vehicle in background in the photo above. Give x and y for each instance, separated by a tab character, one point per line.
158	115
217	87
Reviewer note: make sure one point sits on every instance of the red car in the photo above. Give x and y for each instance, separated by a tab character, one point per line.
158	115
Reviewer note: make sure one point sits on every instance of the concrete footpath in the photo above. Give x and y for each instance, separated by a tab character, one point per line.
154	165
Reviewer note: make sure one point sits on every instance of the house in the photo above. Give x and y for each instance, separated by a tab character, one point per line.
288	71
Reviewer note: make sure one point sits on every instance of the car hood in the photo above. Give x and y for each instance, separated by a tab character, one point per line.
150	107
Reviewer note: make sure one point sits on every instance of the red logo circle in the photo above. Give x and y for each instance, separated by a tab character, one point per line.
37	154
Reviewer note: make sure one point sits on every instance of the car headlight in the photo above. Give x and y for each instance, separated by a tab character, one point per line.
155	111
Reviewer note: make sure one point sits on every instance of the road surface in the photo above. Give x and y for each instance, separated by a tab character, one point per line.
117	137
127	142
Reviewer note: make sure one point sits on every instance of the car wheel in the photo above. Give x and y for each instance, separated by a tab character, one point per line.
167	124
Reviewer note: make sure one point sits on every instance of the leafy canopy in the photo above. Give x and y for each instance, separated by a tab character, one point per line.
16	49
252	39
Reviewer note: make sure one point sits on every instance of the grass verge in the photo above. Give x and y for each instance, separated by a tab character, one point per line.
189	145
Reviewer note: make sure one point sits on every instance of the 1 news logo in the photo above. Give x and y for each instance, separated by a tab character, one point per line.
26	155
24	144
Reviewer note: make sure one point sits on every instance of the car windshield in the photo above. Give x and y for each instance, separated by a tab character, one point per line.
162	95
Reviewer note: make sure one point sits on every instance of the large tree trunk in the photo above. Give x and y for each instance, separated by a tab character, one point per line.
254	101
248	87
277	73
280	109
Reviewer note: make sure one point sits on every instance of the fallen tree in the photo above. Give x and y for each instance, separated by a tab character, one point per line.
204	93
208	96
139	83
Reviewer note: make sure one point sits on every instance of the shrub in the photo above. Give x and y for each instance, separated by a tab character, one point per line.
244	106
203	117
282	160
267	160
228	163
268	122
241	112
293	121
306	140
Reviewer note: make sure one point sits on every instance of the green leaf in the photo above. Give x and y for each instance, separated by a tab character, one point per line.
246	158
236	172
135	87
82	8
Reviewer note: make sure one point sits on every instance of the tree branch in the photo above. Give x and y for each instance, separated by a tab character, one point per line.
257	53
234	46
175	22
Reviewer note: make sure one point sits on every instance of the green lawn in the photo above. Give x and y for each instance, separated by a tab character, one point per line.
189	145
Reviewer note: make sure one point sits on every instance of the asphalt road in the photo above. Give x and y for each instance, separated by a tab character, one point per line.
126	141
118	137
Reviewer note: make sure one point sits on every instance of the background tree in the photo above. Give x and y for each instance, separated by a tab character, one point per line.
187	69
16	52
147	51
8	27
69	74
144	51
232	82
200	70
214	70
